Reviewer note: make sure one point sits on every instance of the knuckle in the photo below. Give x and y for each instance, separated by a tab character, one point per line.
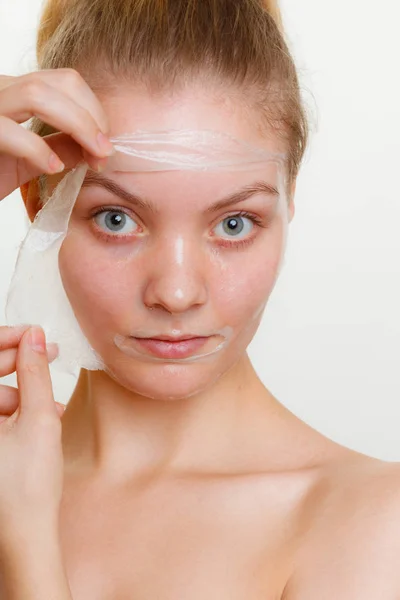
83	122
72	77
32	368
32	90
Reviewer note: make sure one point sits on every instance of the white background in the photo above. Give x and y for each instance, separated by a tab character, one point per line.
329	345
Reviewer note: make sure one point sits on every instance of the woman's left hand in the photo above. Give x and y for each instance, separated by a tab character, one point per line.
31	457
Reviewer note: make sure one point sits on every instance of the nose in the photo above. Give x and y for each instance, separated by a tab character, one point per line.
177	279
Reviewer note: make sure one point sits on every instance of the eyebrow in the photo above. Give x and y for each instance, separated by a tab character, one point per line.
259	187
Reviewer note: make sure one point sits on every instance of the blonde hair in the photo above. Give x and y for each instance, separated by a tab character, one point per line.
165	42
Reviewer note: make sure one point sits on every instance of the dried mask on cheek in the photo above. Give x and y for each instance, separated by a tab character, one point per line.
37	294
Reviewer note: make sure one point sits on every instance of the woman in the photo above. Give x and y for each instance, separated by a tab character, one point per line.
170	481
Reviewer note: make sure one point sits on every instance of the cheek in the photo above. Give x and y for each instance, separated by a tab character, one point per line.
94	284
243	286
105	286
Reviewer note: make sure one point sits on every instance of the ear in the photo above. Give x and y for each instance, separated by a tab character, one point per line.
31	196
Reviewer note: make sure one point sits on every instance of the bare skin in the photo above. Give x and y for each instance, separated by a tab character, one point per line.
219	494
281	513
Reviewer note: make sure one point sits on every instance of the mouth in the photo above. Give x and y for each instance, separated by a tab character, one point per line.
171	347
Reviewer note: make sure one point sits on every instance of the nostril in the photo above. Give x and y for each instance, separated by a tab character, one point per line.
175	292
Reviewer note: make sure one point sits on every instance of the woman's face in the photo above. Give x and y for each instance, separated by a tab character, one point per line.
160	258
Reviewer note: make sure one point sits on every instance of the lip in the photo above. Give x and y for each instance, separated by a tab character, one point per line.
177	338
167	347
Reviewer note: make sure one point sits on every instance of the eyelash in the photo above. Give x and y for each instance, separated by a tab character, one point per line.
223	242
239	244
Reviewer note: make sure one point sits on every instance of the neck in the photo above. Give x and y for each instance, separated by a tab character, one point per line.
113	432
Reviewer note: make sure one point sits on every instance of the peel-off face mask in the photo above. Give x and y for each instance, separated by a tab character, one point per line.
37	294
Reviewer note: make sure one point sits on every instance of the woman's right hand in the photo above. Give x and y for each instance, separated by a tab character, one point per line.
61	98
10	338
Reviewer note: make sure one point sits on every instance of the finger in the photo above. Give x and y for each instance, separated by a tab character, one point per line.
33	376
96	164
71	153
6	81
10	337
74	85
9	401
8	358
30	97
21	143
22	170
62	144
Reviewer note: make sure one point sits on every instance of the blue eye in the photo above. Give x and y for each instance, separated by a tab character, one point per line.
115	222
234	226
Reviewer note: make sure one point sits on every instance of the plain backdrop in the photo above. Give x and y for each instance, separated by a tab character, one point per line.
329	344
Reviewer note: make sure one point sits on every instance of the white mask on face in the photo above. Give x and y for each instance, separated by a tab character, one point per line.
37	295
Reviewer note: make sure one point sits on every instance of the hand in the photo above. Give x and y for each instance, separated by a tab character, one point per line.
31	457
61	98
10	337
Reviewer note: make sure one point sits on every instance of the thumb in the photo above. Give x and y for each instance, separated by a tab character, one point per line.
33	375
69	151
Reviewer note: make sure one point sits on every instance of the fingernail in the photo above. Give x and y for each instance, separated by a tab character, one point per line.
101	165
55	164
37	340
52	351
104	144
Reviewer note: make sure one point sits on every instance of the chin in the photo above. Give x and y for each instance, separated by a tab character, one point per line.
166	381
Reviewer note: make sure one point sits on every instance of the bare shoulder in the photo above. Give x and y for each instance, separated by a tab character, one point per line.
350	539
358	487
354	476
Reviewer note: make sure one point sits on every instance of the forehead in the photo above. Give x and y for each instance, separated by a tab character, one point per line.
172	194
130	107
